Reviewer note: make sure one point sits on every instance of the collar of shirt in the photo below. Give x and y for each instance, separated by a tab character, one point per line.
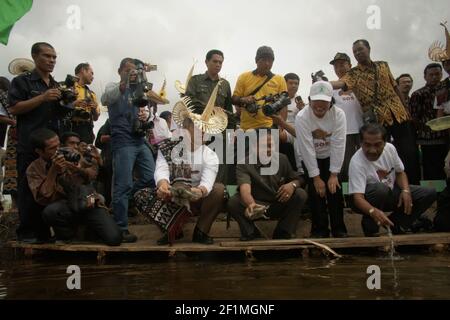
254	72
35	76
207	77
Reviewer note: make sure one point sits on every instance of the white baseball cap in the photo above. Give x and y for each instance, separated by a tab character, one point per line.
321	90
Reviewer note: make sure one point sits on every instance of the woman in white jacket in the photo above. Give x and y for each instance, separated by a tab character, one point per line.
321	134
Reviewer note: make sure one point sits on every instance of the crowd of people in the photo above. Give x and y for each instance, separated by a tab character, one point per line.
363	129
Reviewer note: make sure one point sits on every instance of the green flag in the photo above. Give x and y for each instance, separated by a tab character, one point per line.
10	12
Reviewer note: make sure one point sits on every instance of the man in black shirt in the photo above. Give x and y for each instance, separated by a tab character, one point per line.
33	98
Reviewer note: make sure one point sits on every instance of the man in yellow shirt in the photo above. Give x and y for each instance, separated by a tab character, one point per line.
252	86
87	109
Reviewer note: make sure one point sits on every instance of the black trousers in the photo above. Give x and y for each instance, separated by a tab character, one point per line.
64	222
382	197
331	205
442	219
288	214
287	149
433	161
405	143
31	223
104	185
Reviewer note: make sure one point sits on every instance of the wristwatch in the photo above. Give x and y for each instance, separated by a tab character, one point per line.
295	186
372	210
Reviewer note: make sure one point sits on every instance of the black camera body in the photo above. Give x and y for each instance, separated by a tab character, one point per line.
69	154
88	155
140	128
68	94
318	76
139	86
252	108
274	103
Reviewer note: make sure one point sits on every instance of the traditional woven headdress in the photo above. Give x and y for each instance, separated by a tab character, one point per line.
213	120
20	65
437	52
181	88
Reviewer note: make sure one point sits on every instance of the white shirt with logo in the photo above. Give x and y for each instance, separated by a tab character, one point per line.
350	105
362	171
321	138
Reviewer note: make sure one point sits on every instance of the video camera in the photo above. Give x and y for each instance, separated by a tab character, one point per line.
274	103
140	128
69	154
139	86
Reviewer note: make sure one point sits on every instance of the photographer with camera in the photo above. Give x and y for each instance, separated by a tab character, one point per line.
129	149
251	86
60	179
34	98
87	109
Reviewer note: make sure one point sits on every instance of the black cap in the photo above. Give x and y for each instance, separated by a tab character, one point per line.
264	52
340	56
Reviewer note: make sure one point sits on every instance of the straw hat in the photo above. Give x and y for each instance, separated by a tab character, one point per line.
20	65
437	52
156	98
213	120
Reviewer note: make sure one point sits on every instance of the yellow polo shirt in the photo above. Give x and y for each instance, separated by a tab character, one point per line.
248	82
83	94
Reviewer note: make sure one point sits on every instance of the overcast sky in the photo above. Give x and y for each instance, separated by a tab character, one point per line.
305	35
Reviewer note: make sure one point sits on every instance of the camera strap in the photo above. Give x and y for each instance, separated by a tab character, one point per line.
87	92
270	75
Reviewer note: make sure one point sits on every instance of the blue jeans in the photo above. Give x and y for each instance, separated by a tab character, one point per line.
125	160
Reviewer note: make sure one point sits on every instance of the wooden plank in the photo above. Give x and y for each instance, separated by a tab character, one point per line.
414	239
234	245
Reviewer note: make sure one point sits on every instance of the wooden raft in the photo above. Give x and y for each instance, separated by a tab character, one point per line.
228	240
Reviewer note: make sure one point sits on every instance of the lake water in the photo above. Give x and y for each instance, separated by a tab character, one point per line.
226	276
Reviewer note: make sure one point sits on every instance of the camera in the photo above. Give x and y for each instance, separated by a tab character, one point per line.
84	112
140	128
69	154
68	94
274	103
139	86
318	76
252	108
88	154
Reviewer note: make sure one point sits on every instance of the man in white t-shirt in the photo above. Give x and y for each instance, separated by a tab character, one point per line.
293	83
346	100
379	184
321	132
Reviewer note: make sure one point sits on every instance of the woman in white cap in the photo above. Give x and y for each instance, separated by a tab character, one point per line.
321	136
